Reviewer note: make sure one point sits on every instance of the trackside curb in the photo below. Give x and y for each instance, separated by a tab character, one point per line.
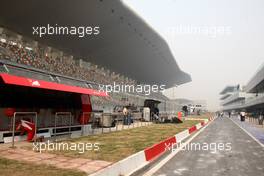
140	159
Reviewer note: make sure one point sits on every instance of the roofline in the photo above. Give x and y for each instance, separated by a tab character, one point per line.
224	91
255	80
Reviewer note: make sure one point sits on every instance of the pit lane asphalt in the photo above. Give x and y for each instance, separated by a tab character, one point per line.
246	157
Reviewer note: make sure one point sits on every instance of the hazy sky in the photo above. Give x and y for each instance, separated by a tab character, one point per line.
218	42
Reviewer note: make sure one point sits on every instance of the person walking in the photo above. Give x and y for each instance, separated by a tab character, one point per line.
260	118
242	116
125	113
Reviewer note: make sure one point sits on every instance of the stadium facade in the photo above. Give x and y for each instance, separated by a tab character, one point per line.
126	44
248	98
53	81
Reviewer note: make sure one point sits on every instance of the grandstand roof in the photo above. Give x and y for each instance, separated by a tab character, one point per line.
126	44
227	89
27	82
256	83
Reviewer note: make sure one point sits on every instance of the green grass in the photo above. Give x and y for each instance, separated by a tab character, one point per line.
114	146
121	144
17	168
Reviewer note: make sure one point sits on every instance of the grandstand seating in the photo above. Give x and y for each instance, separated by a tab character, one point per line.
65	66
36	57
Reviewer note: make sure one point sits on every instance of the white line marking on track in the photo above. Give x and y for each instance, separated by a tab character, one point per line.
262	145
170	156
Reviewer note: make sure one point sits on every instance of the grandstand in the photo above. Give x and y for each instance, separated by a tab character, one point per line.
57	75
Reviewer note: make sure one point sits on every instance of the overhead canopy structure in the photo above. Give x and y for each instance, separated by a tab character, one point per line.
22	76
28	82
126	44
227	89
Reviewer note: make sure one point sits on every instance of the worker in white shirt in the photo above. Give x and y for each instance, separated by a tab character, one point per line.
242	115
125	113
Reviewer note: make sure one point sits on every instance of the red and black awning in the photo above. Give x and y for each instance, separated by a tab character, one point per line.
34	83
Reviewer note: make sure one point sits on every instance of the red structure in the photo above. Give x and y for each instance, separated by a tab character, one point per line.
29	127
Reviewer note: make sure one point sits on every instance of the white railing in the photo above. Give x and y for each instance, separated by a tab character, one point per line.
233	97
64	114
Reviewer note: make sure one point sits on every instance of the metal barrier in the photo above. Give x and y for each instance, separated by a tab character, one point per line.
14	122
110	117
57	114
83	124
95	120
100	122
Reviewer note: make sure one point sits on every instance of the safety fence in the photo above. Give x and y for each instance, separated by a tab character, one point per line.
97	122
